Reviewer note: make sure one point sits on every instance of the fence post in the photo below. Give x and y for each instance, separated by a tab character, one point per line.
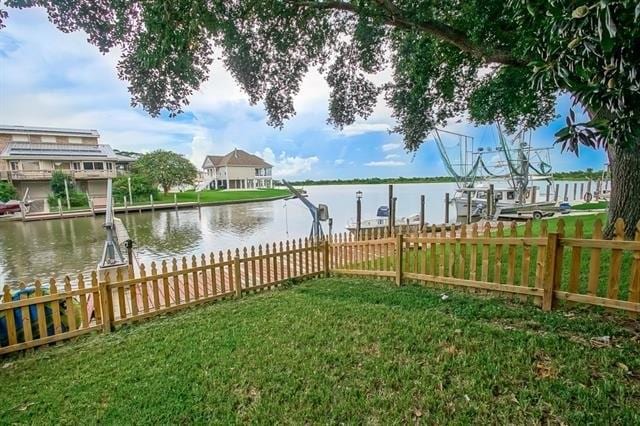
399	259
548	284
325	257
236	276
103	291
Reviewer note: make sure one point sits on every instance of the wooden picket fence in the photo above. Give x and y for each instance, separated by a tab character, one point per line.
546	268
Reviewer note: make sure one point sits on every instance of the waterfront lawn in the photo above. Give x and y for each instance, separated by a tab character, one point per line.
338	351
213	196
220	196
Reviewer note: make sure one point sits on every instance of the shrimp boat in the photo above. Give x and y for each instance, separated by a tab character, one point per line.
514	169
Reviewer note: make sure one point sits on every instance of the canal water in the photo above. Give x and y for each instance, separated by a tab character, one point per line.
58	247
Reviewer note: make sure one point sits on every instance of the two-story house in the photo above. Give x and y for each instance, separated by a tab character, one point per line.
30	155
237	170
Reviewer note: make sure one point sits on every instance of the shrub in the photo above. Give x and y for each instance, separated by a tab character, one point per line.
141	188
7	191
57	184
76	199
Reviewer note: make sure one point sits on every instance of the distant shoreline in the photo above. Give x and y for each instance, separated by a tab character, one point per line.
560	176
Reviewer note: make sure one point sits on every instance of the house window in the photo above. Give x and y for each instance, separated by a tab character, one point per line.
76	165
98	166
14	165
88	165
109	166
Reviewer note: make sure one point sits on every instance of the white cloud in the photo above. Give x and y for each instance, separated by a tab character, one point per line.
339	161
391	146
360	128
386	163
285	166
391	156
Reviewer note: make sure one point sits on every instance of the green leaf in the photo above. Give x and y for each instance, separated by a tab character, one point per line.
611	26
562	133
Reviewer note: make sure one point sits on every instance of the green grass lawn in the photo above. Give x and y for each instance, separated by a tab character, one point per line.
338	351
591	206
215	196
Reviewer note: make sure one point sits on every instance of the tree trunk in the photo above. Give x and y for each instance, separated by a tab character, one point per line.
625	189
165	189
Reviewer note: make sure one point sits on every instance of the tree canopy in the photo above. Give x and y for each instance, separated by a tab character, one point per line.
165	168
496	60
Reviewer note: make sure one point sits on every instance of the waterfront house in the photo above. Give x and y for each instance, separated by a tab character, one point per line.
30	155
237	170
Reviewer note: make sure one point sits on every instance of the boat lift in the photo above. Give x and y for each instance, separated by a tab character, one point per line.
318	214
111	254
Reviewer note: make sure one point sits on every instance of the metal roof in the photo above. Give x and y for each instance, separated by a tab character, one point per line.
33	130
44	151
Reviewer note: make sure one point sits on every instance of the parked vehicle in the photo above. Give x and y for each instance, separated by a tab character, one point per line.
11	206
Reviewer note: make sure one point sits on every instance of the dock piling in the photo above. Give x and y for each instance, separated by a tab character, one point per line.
469	207
421	214
390	207
446	207
557	194
60	207
548	197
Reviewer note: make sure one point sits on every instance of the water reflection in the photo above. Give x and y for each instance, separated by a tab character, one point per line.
41	249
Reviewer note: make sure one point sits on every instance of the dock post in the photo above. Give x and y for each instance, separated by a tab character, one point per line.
491	201
469	212
151	199
66	193
330	226
557	194
599	188
22	208
198	197
582	190
534	193
394	203
421	214
175	200
60	207
390	208
358	215
575	190
446	208
92	206
589	186
126	206
566	192
130	193
548	192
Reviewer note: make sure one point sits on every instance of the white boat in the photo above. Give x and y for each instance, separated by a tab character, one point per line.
382	220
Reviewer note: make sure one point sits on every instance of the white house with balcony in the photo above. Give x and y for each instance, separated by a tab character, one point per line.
30	155
237	170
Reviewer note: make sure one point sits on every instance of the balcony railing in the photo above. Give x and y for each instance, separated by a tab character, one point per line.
76	174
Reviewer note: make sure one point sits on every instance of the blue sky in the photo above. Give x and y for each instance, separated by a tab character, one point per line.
49	78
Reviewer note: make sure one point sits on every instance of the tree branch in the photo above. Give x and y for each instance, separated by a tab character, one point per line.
395	18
